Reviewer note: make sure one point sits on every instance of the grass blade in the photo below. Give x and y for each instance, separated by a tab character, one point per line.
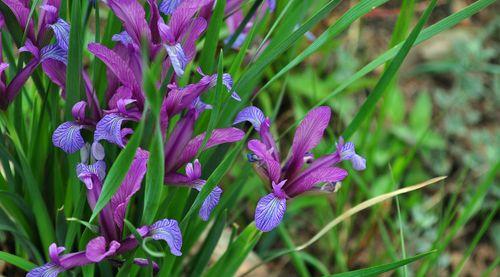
17	261
377	270
378	91
207	56
340	25
236	253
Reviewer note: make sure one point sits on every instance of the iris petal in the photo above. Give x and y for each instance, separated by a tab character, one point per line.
169	231
46	270
68	137
251	114
269	212
177	58
109	128
210	203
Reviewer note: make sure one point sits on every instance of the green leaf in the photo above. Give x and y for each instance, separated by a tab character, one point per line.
16	261
207	56
421	113
119	169
74	84
156	163
340	25
200	261
91	227
377	270
236	253
378	91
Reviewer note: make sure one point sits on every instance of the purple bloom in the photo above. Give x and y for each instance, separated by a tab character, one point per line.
67	136
300	173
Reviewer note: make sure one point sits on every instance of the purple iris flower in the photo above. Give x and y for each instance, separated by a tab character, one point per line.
301	172
92	172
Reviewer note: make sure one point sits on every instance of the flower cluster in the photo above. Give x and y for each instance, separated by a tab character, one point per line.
301	172
174	41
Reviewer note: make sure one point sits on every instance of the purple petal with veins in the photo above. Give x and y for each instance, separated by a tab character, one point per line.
347	151
123	37
167	7
46	270
177	58
130	185
61	31
68	137
269	212
109	128
169	231
97	249
210	203
89	174
54	52
251	114
358	162
307	136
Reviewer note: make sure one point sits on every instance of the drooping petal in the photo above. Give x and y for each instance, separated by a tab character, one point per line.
347	151
130	185
218	136
97	249
272	166
358	162
269	212
109	128
251	114
167	7
46	270
61	32
307	136
169	231
177	58
68	137
54	52
308	181
210	203
132	14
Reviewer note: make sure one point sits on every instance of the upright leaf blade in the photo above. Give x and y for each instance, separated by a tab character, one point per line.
369	105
